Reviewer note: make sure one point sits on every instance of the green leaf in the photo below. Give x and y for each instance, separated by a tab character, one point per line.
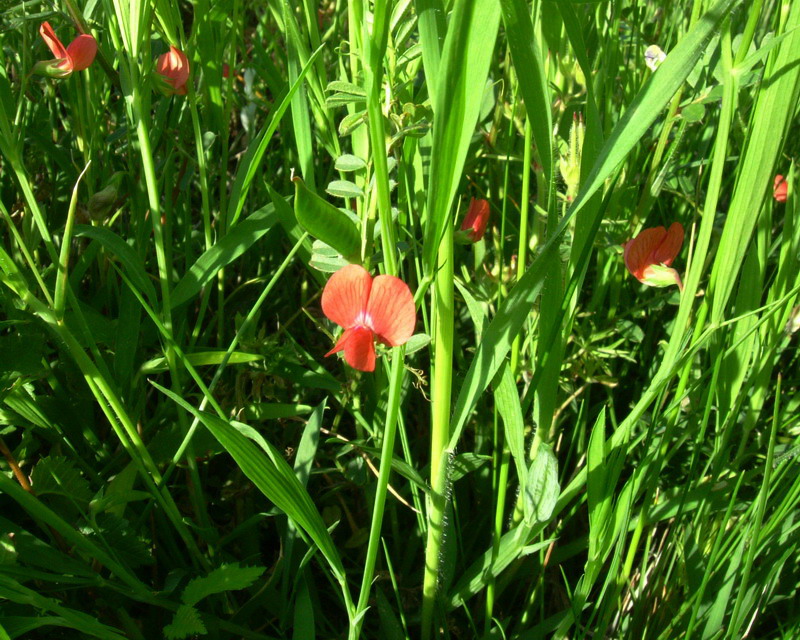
416	342
647	105
465	62
694	112
238	240
186	623
542	488
348	162
507	398
346	87
344	189
116	533
351	122
525	52
57	475
201	359
307	449
267	469
228	577
324	221
255	151
132	264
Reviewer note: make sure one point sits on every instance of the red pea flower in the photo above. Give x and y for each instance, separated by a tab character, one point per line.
780	188
173	69
474	225
367	308
648	255
76	57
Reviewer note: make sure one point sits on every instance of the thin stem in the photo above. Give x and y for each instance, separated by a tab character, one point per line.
440	429
387	448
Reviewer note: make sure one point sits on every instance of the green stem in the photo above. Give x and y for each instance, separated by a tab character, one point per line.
387	448
440	428
373	72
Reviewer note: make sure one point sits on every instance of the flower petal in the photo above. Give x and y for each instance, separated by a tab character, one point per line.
476	219
639	250
670	246
780	188
174	66
345	295
81	51
391	310
359	350
340	342
52	41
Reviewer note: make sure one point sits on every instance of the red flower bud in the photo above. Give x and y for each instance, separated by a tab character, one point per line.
780	188
476	219
649	255
173	67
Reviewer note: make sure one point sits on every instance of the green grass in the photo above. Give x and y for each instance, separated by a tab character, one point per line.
559	452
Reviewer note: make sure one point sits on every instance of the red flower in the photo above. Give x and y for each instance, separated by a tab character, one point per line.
474	225
780	188
368	308
76	57
648	255
173	67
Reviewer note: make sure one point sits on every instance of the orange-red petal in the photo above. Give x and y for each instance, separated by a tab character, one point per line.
81	51
174	66
670	246
476	219
391	310
780	188
639	250
52	41
359	350
346	294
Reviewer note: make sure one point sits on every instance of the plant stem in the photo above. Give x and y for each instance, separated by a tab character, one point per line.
387	448
440	429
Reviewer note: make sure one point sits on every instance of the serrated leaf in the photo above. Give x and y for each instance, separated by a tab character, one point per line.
55	475
186	623
542	488
116	533
349	162
344	189
228	577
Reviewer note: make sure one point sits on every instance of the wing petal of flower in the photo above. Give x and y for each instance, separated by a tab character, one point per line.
670	246
359	350
391	310
639	250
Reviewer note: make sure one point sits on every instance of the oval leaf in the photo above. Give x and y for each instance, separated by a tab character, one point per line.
344	189
542	488
348	162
